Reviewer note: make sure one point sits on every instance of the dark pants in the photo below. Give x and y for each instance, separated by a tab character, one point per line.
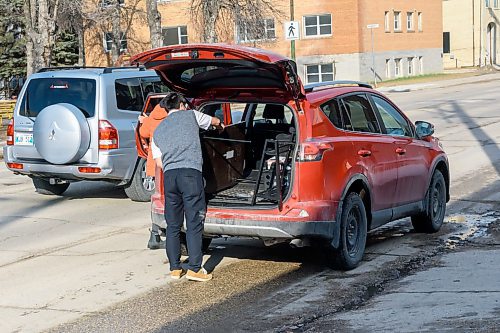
184	196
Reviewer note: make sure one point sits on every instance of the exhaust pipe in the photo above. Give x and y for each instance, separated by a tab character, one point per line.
299	242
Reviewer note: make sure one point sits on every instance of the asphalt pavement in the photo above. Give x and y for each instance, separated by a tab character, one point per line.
78	263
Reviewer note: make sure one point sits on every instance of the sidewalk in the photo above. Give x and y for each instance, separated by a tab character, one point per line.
460	294
432	83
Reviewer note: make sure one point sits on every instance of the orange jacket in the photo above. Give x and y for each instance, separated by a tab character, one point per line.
146	131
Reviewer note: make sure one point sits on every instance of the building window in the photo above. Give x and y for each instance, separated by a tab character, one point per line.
264	29
175	35
410	66
409	21
107	3
488	3
388	68
387	23
419	21
446	42
318	25
421	65
108	42
397	67
319	73
397	21
495	4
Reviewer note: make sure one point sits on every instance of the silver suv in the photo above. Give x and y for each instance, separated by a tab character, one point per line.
79	124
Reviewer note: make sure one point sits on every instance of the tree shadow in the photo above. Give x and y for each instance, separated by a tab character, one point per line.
487	143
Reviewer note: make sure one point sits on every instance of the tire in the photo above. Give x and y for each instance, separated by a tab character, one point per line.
42	186
431	220
204	246
353	232
140	188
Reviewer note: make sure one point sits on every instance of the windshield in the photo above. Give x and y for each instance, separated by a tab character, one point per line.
44	92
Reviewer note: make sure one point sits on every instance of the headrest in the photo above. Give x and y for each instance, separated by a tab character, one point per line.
273	111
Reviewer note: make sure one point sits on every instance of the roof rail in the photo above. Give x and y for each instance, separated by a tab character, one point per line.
108	70
313	86
49	69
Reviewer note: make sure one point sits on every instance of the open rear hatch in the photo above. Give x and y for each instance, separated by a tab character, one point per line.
241	163
224	72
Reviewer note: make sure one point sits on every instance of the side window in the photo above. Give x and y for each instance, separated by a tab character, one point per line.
332	111
359	114
153	102
129	94
237	111
272	114
214	110
395	124
258	117
152	85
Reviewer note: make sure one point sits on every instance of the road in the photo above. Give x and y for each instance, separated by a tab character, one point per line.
78	263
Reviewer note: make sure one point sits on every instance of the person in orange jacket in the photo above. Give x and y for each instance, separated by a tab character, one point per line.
149	124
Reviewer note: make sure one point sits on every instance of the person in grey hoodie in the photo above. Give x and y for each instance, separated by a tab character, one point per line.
176	149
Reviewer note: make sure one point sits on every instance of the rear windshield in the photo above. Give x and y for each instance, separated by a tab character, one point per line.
44	92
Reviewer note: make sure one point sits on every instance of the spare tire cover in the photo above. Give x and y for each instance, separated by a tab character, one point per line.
61	133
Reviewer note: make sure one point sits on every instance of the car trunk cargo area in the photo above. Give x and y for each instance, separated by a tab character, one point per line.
250	163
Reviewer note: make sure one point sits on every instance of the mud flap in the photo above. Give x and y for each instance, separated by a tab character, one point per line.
336	227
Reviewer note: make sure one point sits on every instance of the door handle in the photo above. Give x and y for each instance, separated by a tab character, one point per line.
364	153
400	151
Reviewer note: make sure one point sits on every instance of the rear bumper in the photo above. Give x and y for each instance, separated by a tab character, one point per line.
117	165
263	229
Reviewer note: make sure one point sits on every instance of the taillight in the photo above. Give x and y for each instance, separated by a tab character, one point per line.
108	135
10	133
313	151
15	165
89	170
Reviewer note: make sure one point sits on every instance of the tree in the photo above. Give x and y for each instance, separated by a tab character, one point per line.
112	20
154	23
211	15
65	49
12	46
73	18
40	17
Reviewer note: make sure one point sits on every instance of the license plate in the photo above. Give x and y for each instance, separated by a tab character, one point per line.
24	139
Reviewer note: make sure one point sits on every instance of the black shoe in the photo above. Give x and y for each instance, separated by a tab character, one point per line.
154	242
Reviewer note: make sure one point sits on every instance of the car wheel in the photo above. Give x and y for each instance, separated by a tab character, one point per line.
206	241
141	187
353	231
432	219
42	186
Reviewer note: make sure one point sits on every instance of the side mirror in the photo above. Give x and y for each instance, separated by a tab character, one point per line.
424	129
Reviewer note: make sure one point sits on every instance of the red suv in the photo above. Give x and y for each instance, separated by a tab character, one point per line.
316	164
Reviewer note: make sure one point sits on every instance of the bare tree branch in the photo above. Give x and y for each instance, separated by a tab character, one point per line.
214	17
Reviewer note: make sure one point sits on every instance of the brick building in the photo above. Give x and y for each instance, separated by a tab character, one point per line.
334	43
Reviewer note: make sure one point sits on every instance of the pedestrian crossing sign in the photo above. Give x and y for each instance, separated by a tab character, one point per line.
292	31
